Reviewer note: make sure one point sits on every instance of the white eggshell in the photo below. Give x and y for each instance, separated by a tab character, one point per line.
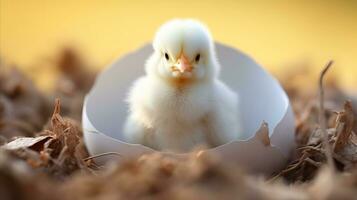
262	99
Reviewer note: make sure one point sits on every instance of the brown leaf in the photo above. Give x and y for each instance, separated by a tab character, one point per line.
344	124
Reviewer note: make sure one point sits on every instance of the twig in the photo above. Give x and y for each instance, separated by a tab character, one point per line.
312	148
102	154
322	118
289	168
312	162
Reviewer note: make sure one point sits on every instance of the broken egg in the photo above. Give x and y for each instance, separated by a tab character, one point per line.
267	137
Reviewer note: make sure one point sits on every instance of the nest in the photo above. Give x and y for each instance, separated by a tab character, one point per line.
42	154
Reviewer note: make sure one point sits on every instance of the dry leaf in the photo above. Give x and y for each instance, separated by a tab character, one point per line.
25	142
344	124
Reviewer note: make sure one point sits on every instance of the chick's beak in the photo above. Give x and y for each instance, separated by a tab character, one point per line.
183	64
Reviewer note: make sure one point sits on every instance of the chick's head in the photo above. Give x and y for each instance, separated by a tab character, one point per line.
183	49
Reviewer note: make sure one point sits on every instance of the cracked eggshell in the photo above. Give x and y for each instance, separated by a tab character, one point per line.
261	149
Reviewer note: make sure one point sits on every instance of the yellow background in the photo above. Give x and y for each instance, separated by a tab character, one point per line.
275	33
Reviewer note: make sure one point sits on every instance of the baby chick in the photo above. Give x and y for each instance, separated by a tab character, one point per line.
180	102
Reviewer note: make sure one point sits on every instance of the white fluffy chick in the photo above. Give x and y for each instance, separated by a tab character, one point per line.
180	102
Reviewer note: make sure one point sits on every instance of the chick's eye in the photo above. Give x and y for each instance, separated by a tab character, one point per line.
197	57
167	56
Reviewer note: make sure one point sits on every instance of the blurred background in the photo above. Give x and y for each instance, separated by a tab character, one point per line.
281	35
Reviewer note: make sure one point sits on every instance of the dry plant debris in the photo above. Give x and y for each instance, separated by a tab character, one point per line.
42	159
23	109
58	150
